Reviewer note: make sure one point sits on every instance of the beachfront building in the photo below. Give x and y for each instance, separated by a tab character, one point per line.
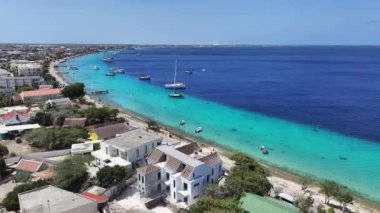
108	131
20	81
183	177
29	69
41	95
5	73
53	199
127	149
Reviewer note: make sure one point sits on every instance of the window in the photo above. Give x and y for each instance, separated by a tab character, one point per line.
193	174
173	183
159	176
184	186
208	178
167	176
174	195
142	179
212	172
220	168
159	143
159	187
152	145
137	153
139	177
146	149
195	185
107	150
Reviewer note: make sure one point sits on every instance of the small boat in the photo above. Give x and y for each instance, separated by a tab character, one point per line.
175	85
176	95
110	74
198	129
145	77
204	70
108	60
112	69
95	68
73	67
189	71
264	150
182	122
119	70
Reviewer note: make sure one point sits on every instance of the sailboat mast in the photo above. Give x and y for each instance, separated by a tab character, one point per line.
175	71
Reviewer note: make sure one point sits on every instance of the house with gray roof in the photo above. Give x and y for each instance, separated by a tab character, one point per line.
180	174
52	199
127	149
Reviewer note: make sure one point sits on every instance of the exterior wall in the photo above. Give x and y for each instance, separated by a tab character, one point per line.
139	153
20	81
150	184
29	70
7	90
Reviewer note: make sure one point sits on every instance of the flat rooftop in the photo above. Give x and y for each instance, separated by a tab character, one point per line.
132	139
51	198
186	159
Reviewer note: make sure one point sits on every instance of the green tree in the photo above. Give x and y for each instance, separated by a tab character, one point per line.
344	197
209	204
109	176
74	91
304	204
329	189
3	167
96	115
71	174
10	201
3	151
53	139
42	118
5	100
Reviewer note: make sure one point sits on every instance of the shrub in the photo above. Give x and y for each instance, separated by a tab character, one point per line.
209	204
71	174
109	176
74	91
3	150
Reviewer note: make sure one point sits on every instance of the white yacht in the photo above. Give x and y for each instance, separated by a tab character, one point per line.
175	85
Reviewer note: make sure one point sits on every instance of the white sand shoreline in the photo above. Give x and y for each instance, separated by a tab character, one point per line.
290	183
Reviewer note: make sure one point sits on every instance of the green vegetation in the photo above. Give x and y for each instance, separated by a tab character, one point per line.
24	88
153	125
340	193
5	100
50	80
74	91
3	167
247	176
3	151
10	201
109	176
304	204
52	139
71	173
100	115
42	118
209	204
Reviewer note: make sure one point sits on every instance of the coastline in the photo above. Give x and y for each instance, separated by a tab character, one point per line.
279	176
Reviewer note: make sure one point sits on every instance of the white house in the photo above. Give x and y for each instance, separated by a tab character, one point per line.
19	81
181	176
129	148
29	69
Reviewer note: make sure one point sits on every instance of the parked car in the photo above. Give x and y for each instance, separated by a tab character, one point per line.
18	140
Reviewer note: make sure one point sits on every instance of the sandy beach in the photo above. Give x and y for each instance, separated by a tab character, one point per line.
289	183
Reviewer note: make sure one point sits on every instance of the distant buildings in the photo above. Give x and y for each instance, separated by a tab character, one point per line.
20	81
129	149
182	176
49	199
41	95
25	68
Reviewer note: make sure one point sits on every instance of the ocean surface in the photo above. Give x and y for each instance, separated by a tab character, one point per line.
317	109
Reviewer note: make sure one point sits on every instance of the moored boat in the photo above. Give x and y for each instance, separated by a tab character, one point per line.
198	129
95	68
73	67
145	77
110	74
175	85
108	60
182	122
264	150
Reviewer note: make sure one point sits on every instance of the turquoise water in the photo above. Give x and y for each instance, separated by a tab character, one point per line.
304	149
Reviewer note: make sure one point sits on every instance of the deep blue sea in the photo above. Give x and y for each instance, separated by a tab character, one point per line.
316	108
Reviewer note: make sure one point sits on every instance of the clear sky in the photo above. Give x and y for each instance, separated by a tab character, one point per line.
191	22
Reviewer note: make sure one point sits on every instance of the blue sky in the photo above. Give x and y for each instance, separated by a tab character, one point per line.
278	22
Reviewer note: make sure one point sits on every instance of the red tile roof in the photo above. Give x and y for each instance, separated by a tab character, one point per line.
94	197
72	122
40	92
13	113
28	165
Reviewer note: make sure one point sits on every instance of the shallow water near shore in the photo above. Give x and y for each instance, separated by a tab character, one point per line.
305	149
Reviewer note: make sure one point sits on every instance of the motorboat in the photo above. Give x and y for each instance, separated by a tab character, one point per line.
198	129
176	95
108	60
120	70
175	85
189	71
110	74
145	77
182	122
264	150
95	68
204	70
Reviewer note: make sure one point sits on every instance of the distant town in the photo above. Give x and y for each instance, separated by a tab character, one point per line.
63	150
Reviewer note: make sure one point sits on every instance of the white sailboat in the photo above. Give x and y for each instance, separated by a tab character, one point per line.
175	85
